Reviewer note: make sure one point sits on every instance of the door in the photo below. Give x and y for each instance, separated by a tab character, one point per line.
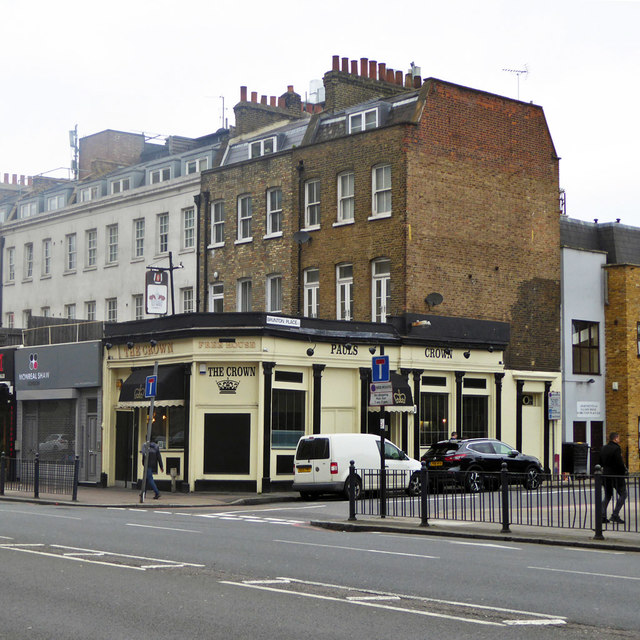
597	441
126	437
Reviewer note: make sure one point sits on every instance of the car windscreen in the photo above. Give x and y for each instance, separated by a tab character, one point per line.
313	449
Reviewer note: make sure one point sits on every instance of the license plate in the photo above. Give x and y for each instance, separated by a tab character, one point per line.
304	468
435	463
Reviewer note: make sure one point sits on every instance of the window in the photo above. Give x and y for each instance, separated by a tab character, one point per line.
244	218
11	264
244	295
28	260
188	228
346	197
381	190
111	306
112	243
217	223
28	209
91	259
168	427
363	120
138	235
46	257
26	316
586	351
216	298
195	166
90	310
163	232
274	211
380	289
45	312
344	291
160	175
118	186
263	147
312	204
70	244
89	193
70	311
274	292
138	306
10	320
287	417
186	296
311	290
55	202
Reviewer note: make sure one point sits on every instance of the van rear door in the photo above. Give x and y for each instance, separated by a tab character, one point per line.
312	460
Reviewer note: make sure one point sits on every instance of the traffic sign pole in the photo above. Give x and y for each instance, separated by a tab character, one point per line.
143	484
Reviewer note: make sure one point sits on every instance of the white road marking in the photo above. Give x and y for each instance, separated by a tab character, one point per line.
539	623
586	573
150	526
42	515
373	597
484	544
613	553
335	546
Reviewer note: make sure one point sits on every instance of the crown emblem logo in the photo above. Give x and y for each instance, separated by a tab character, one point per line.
228	385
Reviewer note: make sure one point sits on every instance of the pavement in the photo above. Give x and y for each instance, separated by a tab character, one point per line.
615	539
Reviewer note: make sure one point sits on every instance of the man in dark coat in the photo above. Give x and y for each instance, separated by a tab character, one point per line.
614	471
155	461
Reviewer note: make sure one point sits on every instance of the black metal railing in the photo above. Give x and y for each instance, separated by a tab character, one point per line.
502	498
33	475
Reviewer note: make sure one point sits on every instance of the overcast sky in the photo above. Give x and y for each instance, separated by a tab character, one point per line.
161	67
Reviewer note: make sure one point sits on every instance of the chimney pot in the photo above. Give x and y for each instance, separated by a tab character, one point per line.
391	75
281	103
14	178
243	94
399	77
263	99
30	180
373	66
382	71
417	82
6	178
408	81
254	96
345	65
354	67
364	67
272	101
290	88
336	63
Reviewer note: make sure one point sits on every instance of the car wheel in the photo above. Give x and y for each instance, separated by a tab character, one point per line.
357	486
415	484
532	479
474	480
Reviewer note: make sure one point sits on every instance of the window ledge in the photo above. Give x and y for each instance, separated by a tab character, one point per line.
342	223
137	259
315	227
187	250
91	268
270	236
110	265
244	240
216	245
69	272
380	216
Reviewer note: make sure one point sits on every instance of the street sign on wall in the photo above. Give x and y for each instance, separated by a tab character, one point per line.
157	292
380	369
555	406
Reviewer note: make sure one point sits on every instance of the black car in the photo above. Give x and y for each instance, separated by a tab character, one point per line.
476	463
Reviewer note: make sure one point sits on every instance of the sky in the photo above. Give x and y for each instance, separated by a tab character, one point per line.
167	68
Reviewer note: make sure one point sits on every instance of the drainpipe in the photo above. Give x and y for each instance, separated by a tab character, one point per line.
196	199
300	226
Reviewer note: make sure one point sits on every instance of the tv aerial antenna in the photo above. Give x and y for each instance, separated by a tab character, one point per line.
519	72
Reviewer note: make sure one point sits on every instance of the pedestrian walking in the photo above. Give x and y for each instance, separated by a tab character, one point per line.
155	461
614	471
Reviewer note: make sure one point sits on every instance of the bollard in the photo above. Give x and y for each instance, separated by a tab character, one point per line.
3	468
424	489
597	503
504	486
352	490
36	476
173	472
76	473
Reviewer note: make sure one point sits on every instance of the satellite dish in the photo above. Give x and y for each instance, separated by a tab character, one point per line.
433	299
302	237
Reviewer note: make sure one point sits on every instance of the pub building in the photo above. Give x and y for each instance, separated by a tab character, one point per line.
235	392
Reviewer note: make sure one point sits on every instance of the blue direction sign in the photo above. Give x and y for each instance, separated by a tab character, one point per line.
380	369
151	386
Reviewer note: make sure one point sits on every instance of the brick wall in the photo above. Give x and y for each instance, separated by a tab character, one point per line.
622	315
107	150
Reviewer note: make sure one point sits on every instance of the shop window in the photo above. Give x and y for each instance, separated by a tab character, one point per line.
475	417
227	443
287	417
434	418
168	427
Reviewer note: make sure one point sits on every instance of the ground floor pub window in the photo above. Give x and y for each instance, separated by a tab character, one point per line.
287	418
227	443
475	417
434	418
168	426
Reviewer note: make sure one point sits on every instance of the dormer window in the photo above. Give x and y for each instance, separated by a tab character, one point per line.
160	175
363	120
89	193
28	209
118	186
195	166
263	147
55	202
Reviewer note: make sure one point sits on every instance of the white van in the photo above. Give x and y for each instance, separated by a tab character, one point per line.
322	464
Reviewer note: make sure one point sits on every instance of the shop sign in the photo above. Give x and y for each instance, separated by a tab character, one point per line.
227	385
438	352
586	409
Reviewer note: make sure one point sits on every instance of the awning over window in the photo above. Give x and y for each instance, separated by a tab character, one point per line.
169	390
402	396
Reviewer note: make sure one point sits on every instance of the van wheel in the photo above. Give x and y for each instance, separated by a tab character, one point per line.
357	486
415	484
